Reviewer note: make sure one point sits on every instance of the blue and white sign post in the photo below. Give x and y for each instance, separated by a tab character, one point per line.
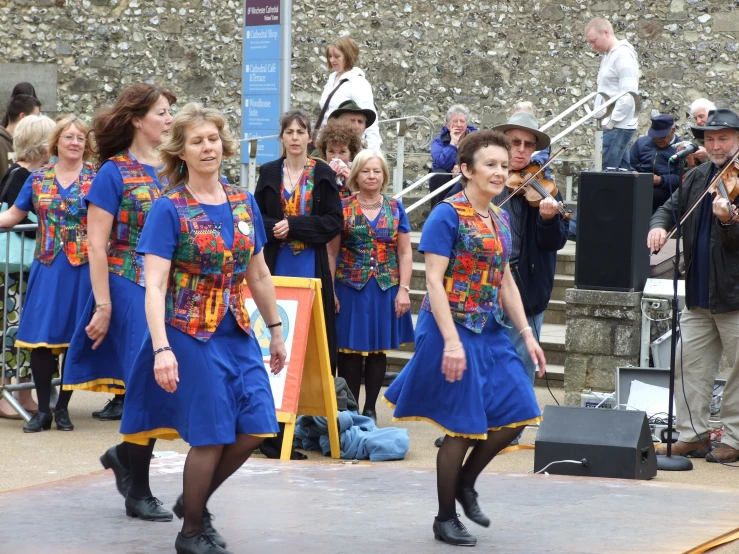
265	78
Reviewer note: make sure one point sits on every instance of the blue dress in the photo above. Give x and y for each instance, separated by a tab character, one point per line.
106	368
366	322
494	392
289	264
55	295
223	386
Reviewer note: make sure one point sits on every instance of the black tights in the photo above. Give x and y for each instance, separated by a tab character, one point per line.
137	459
43	366
350	368
453	471
206	468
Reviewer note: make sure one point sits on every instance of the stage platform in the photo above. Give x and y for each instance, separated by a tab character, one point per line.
332	508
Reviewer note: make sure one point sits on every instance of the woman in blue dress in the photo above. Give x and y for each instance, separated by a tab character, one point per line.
112	329
299	200
199	374
465	376
373	262
59	284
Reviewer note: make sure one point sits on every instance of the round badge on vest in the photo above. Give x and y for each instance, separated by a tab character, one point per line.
243	227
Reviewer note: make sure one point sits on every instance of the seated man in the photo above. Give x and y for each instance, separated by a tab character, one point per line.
444	147
651	154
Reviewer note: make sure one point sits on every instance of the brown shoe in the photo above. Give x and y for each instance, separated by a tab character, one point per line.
696	449
723	453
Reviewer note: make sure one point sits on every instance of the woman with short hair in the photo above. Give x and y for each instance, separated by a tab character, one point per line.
338	144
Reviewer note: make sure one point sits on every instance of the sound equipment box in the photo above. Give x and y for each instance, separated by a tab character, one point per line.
615	443
613	212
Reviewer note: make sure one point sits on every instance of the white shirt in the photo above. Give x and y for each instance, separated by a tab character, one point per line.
357	89
619	72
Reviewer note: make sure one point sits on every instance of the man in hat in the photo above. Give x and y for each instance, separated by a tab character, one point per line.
360	118
709	324
651	154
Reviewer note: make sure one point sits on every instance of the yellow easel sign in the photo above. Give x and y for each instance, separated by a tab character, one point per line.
306	385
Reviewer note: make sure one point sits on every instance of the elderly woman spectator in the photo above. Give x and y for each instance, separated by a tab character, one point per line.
31	144
444	147
338	144
59	284
347	82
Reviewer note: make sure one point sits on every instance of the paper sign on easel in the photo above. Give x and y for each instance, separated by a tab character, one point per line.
305	385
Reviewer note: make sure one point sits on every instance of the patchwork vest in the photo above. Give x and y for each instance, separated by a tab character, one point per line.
367	252
139	192
475	272
206	277
301	201
62	222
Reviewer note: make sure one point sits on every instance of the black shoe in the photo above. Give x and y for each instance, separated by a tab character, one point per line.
110	460
389	378
467	497
40	422
179	511
453	532
113	410
148	509
370	414
202	543
63	423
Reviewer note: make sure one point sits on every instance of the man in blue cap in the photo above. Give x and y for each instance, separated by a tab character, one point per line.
651	154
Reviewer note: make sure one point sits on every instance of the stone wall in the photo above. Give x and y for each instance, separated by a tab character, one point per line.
419	55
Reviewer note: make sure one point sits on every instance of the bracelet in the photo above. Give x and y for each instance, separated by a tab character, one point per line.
452	349
98	306
278	324
527	328
162	349
406	287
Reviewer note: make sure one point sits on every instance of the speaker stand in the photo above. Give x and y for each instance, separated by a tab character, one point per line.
670	462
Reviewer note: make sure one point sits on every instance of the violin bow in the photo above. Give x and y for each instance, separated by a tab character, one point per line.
532	177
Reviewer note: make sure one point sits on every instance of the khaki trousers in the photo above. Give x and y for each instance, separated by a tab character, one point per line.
704	338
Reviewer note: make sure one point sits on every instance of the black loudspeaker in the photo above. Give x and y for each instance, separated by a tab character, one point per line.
613	211
615	443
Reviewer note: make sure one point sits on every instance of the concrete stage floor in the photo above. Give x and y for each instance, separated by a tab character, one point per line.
294	507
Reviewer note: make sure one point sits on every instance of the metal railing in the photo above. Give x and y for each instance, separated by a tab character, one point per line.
601	113
249	171
8	373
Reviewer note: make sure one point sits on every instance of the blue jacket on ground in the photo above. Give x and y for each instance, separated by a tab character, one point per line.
443	153
646	157
359	437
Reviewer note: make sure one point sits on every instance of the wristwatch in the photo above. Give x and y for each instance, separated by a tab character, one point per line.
406	287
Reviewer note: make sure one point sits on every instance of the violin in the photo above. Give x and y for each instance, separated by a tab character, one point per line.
530	182
726	184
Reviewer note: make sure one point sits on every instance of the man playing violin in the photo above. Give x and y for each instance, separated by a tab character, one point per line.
709	324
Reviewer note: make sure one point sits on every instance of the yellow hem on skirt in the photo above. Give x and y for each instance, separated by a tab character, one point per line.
165	433
482	436
55	348
99	385
350	351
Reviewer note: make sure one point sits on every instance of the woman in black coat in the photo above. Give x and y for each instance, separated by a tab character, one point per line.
302	212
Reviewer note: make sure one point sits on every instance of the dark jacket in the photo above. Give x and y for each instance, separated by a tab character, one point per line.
723	283
11	186
6	146
316	229
646	157
534	272
443	153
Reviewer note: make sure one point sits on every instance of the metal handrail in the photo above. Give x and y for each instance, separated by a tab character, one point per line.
418	183
405	119
574	107
443	188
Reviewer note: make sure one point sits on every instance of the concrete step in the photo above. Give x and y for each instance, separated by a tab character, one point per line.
555	376
555	312
561	284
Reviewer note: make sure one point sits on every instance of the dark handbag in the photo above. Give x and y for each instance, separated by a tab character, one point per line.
321	115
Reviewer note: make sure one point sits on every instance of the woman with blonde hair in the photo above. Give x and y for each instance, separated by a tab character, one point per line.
59	283
347	82
31	145
373	261
202	243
